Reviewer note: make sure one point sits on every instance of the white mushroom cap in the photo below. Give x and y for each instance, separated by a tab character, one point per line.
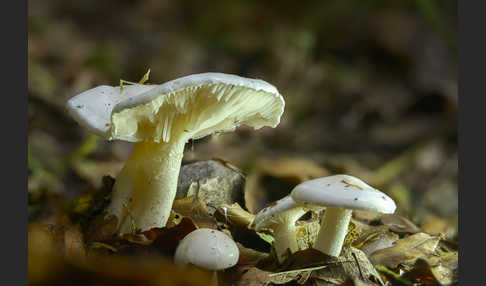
207	248
266	216
151	112
343	191
280	216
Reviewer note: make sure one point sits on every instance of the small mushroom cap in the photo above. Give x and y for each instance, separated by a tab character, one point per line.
199	104
343	191
207	248
268	214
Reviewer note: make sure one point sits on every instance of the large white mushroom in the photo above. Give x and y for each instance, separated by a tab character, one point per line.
161	119
340	194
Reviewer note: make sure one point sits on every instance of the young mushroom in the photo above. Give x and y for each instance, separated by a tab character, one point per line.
161	119
209	249
280	216
340	194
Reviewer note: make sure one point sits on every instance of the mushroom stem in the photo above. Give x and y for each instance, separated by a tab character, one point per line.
334	227
146	186
285	233
215	279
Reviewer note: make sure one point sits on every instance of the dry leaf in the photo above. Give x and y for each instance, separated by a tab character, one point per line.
421	274
254	277
399	224
167	239
351	264
250	256
436	225
235	215
375	240
74	249
406	250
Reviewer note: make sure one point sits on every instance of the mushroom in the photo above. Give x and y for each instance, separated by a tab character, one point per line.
209	249
161	119
280	216
340	194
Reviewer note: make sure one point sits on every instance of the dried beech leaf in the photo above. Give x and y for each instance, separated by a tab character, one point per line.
254	277
197	210
234	214
436	225
399	224
351	264
168	238
102	228
406	250
421	274
375	239
444	267
250	256
74	249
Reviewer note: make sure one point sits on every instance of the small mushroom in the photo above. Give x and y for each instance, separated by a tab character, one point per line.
209	249
340	194
161	119
280	216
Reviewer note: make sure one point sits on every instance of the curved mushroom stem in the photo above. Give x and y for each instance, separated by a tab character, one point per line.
285	233
146	186
334	227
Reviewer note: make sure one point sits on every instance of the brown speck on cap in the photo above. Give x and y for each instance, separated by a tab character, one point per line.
349	184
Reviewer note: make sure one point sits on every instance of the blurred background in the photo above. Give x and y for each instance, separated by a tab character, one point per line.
370	90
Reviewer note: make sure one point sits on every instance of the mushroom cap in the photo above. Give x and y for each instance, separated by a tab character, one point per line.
207	248
267	216
199	104
343	191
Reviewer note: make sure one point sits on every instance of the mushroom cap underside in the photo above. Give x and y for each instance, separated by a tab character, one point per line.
195	105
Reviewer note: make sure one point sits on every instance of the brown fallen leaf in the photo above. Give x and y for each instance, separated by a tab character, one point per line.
74	249
444	267
351	264
254	277
421	274
234	214
167	239
250	256
439	226
406	250
375	240
102	228
399	224
197	210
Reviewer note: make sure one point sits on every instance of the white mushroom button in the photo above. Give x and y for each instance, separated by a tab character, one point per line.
161	119
207	248
340	194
